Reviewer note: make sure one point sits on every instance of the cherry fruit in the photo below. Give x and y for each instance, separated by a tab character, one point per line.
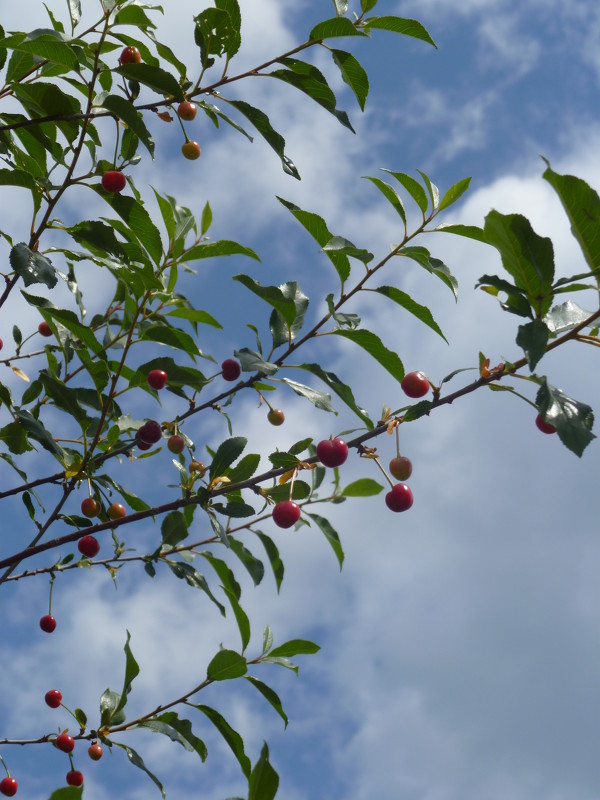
9	786
113	181
150	432
157	379
88	546
130	55
176	444
231	369
415	384
53	698
400	498
45	329
286	514
332	452
187	110
144	445
276	416
65	742
75	778
95	752
116	511
47	623
191	150
1	344
401	468
90	507
544	426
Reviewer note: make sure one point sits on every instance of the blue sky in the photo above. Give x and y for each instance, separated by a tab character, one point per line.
460	647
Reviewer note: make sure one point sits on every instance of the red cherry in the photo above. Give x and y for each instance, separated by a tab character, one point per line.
130	55
95	752
191	150
65	742
157	379
286	514
88	546
187	110
45	329
176	444
113	181
276	416
401	468
144	445
400	498
1	344
9	786
231	369
332	452
116	511
544	426
150	432
53	698
415	384
47	623
75	778
90	507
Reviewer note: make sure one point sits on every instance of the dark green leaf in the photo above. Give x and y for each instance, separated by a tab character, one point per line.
173	529
252	361
282	491
374	346
232	737
406	27
454	192
253	565
226	454
37	431
262	124
363	487
295	647
32	267
125	111
286	460
137	761
245	468
270	695
419	311
353	74
17	177
226	665
573	420
178	730
193	578
338	244
131	672
223	247
331	536
533	338
156	78
341	389
318	399
67	793
390	195
413	187
332	28
468	231
264	781
273	556
272	295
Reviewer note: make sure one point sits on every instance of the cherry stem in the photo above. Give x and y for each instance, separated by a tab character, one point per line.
292	482
397	441
390	481
50	598
5	767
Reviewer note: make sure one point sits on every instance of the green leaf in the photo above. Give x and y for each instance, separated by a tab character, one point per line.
137	761
286	460
264	781
342	246
37	431
282	491
232	737
454	192
406	27
533	338
253	565
262	124
272	295
565	316
14	437
226	665
353	74
468	231
273	556
193	578
414	308
413	187
529	258
318	399
317	228
270	695
573	420
582	205
138	220
251	361
226	454
32	267
433	265
341	389
126	112
108	708
390	195
332	28
67	793
295	647
375	348
178	730
363	487
17	177
131	672
245	468
156	78
331	536
223	247
173	529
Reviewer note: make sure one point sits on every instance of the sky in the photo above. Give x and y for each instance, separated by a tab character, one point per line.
459	644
